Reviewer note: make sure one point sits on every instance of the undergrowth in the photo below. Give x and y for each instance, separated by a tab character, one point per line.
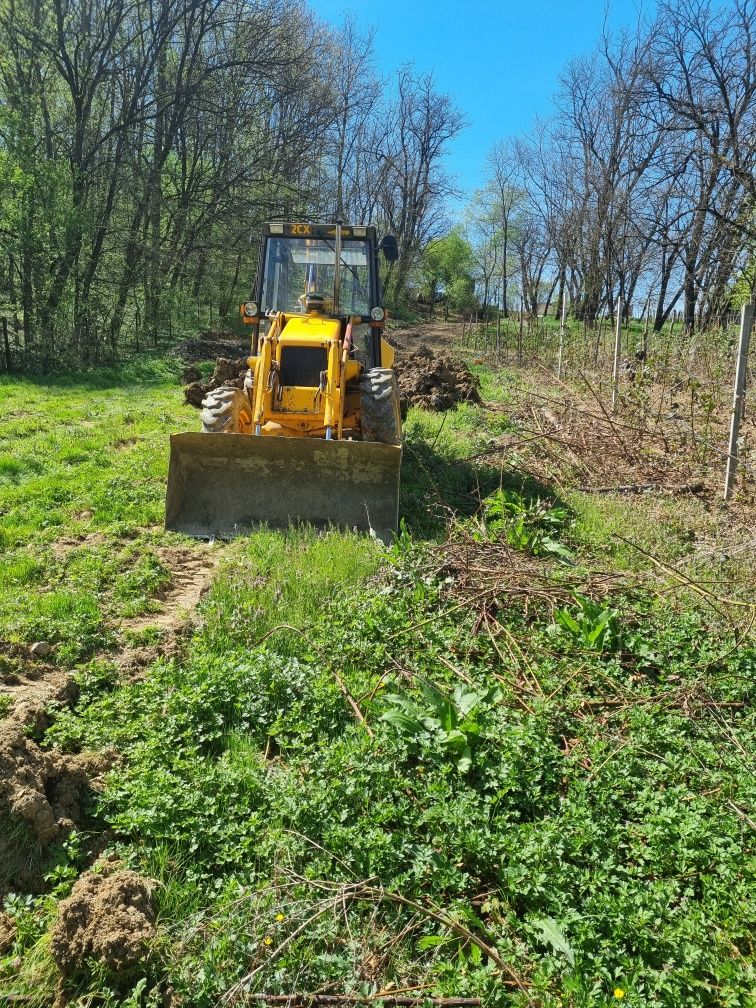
347	784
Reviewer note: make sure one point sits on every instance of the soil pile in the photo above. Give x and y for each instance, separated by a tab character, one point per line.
107	918
427	377
32	684
211	345
44	789
228	372
434	381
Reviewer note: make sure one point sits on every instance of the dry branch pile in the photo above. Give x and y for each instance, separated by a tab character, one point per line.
568	438
488	574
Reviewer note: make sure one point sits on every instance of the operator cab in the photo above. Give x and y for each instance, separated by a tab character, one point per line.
299	275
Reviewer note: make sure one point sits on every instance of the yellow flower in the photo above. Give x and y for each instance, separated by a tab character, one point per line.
268	940
280	917
619	993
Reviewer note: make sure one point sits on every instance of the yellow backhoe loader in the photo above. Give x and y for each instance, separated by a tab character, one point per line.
315	433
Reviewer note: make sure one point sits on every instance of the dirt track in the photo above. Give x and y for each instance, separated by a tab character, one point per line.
191	574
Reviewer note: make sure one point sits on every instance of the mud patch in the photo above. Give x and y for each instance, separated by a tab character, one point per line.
108	919
434	381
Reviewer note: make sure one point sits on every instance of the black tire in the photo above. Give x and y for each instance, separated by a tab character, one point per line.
379	407
225	411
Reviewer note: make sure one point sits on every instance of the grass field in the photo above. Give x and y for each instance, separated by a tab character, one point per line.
510	758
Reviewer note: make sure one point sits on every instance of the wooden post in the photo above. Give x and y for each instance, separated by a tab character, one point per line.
6	347
617	349
561	333
645	327
738	397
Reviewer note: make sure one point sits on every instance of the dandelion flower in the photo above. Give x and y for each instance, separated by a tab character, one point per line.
619	993
267	940
280	917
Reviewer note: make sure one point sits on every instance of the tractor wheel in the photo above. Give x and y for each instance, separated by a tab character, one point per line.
379	406
226	411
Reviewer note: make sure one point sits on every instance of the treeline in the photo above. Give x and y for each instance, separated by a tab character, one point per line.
142	142
639	188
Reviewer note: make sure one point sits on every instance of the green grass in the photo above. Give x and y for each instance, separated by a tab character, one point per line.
84	458
344	782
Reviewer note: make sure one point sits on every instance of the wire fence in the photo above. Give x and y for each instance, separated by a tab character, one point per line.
679	374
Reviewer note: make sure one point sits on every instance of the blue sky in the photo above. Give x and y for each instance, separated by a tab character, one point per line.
500	60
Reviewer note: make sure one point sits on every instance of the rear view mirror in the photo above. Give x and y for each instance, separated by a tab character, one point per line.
388	245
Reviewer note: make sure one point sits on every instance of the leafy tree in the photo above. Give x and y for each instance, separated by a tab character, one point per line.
447	266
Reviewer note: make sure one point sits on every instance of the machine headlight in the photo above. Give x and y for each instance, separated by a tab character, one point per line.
250	308
377	314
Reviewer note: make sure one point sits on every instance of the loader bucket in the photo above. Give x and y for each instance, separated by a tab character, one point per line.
223	485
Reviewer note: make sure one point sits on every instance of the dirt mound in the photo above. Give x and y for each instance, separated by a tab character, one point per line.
107	918
209	349
45	789
434	381
228	372
427	377
32	685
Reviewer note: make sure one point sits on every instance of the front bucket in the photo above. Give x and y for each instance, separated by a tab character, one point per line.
223	485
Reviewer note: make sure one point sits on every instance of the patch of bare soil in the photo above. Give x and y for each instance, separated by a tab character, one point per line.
32	685
61	547
212	345
434	381
191	573
437	337
46	790
108	919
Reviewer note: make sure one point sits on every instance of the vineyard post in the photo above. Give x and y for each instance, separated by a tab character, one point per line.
561	333
738	396
645	328
617	348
